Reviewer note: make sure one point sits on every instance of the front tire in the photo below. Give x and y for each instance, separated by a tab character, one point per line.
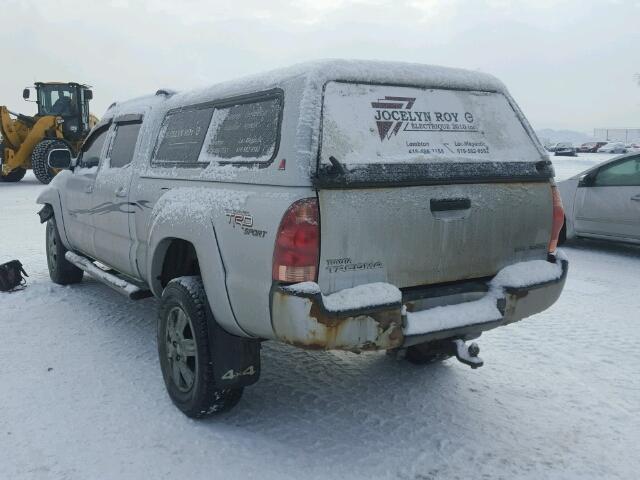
61	271
14	175
40	159
184	351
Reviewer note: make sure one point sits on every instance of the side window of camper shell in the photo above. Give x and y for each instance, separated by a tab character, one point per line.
181	136
244	131
239	131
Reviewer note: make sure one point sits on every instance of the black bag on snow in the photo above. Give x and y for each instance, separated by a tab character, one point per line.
11	276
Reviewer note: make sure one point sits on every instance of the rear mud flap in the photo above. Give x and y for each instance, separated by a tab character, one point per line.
236	360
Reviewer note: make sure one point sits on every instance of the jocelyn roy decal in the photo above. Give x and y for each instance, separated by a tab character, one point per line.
393	114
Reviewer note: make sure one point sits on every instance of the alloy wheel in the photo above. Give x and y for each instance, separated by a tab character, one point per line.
181	349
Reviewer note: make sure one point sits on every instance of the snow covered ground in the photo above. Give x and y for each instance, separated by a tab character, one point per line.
82	397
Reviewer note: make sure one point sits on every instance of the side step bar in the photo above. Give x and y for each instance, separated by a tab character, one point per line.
112	280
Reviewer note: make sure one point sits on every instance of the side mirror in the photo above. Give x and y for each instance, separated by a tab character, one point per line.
88	94
587	180
59	158
26	93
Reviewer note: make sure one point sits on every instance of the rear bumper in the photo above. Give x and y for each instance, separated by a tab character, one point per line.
300	316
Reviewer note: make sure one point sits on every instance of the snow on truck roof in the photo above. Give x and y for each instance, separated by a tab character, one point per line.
317	73
314	75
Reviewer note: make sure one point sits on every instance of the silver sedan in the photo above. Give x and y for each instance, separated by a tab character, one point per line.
604	201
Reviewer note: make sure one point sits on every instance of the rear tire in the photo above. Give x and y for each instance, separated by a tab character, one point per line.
14	175
61	271
427	352
40	157
184	351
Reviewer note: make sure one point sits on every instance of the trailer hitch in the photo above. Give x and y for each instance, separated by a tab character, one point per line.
467	354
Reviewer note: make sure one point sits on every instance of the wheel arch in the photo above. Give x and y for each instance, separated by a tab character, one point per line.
50	195
194	253
176	257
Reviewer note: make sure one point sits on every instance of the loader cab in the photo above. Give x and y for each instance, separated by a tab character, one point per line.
69	101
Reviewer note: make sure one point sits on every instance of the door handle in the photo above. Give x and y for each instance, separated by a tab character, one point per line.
88	189
121	192
636	198
448	204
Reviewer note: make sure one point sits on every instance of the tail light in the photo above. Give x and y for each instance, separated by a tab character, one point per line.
297	248
558	219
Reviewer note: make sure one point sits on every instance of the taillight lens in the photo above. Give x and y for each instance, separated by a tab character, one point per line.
297	249
558	219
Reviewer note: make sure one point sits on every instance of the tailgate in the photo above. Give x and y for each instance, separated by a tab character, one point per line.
430	234
420	186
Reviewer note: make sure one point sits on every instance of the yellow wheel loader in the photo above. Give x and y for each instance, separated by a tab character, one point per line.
63	121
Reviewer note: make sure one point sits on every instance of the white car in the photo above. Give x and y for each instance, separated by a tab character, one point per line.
604	201
613	147
633	147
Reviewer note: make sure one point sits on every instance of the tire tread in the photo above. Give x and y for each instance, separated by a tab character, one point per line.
64	272
14	175
39	159
212	399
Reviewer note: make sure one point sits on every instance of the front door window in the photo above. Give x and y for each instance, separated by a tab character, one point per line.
625	173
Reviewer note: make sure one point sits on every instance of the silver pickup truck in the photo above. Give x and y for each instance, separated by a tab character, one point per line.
347	205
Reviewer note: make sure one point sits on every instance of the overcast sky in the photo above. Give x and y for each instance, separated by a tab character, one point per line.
569	64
